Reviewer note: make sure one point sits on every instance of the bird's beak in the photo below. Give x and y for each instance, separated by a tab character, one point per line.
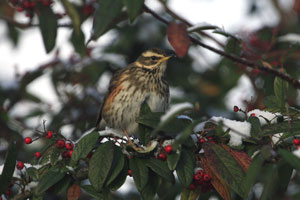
166	58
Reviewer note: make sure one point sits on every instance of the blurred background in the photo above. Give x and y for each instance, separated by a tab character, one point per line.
66	89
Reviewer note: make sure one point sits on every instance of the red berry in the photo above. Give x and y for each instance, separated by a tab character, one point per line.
206	177
210	138
20	165
129	172
37	155
70	152
236	109
28	140
162	156
200	172
60	143
192	186
211	141
202	140
26	4
69	146
168	149
197	177
8	192
65	154
298	147
20	9
296	141
252	115
32	4
49	135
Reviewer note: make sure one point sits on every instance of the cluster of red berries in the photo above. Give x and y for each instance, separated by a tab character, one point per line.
209	139
29	5
297	142
8	192
203	180
162	155
61	143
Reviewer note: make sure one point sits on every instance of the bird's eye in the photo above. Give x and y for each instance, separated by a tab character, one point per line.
153	57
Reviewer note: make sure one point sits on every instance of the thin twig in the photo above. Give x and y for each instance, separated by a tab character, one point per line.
288	78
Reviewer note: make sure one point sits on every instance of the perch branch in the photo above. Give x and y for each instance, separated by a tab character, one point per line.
287	77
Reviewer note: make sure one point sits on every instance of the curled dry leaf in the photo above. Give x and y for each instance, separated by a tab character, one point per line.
74	192
178	38
241	157
219	184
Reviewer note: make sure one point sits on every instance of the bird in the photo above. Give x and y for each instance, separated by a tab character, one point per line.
139	82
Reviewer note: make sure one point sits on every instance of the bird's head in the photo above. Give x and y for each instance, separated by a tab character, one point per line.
153	59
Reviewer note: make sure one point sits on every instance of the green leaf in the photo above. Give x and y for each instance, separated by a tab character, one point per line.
185	135
73	14
270	102
255	127
139	172
50	178
48	27
226	167
100	165
280	91
84	146
106	12
8	168
92	192
252	173
172	160
33	173
54	155
117	165
62	185
149	191
293	160
77	39
149	118
121	178
144	134
160	168
185	167
134	7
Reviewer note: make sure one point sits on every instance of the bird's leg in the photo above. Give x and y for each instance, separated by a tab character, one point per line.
130	141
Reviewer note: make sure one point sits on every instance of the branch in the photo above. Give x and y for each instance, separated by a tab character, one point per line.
287	77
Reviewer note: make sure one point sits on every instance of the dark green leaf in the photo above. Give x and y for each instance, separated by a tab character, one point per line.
100	165
48	26
160	168
148	192
33	173
226	167
92	192
84	146
139	172
283	127
270	102
77	40
50	178
280	91
185	167
119	181
149	118
185	135
255	127
8	168
270	182
62	185
117	165
144	134
293	160
172	160
252	173
106	12
54	155
134	7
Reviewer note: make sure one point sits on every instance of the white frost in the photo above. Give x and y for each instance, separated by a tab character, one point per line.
199	127
276	137
30	186
174	109
263	115
238	130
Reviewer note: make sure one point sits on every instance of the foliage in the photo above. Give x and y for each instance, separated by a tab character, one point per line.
200	162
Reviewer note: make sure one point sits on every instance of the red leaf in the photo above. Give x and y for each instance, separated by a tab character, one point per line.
220	186
178	38
241	157
74	192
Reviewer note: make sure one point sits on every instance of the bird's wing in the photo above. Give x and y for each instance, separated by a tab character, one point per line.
113	84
